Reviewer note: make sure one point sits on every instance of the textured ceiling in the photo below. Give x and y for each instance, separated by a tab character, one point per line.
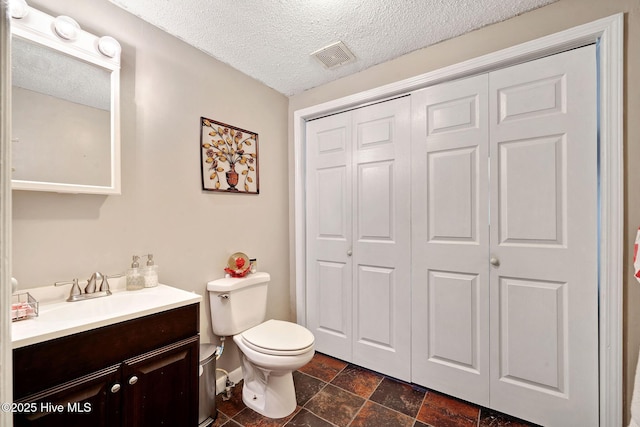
272	40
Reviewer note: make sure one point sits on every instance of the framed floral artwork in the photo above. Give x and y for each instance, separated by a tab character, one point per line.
229	158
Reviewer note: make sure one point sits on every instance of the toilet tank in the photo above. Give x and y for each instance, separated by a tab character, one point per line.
237	304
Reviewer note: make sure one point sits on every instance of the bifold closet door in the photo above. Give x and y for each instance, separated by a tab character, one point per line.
544	247
329	217
505	239
382	237
450	246
358	236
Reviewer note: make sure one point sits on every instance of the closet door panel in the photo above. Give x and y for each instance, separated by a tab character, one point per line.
450	303
329	230
452	199
544	279
532	200
453	302
376	305
332	315
375	201
382	236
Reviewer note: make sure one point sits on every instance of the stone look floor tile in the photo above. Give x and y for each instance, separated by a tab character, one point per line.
250	418
306	387
400	396
335	405
444	411
232	406
305	418
358	380
220	420
373	414
343	403
323	367
494	419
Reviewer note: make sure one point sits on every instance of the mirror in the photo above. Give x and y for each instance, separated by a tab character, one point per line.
65	95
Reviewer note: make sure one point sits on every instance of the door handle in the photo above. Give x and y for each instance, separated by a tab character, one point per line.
133	380
115	388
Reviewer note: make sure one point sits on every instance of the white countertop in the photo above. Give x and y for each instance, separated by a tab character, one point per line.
58	318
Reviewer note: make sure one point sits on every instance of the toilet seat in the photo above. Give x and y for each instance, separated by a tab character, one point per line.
279	338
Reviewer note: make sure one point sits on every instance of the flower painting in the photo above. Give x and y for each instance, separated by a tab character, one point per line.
229	158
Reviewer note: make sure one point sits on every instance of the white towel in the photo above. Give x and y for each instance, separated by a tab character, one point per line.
635	400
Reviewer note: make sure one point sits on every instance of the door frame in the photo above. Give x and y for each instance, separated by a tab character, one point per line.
6	366
608	33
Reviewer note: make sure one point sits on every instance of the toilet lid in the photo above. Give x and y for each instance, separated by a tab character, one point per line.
279	338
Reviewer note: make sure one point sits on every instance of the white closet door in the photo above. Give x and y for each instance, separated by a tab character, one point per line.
544	289
359	234
329	234
450	239
382	237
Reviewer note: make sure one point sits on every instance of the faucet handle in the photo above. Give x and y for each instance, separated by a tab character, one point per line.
104	286
75	289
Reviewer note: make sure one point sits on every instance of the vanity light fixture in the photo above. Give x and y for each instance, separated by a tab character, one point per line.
108	46
66	28
18	9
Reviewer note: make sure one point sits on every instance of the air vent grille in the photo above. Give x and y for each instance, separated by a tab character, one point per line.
334	55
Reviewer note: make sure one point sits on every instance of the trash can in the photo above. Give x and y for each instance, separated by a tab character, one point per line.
207	412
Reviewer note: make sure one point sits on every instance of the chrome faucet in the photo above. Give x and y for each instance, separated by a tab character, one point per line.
91	283
90	290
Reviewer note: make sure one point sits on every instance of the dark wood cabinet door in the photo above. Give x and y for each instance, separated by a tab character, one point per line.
161	387
92	400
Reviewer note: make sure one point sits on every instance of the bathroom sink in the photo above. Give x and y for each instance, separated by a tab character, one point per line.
122	301
61	318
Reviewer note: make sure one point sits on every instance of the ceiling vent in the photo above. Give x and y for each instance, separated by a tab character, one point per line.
334	55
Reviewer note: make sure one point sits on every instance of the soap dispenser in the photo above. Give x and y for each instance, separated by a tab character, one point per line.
135	280
150	273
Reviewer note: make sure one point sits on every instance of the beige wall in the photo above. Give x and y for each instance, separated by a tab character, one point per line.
166	87
547	20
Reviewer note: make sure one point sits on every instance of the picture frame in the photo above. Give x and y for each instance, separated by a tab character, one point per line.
228	158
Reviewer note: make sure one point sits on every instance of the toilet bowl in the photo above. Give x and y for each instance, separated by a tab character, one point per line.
269	350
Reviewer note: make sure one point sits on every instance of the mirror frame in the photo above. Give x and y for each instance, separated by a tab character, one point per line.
38	27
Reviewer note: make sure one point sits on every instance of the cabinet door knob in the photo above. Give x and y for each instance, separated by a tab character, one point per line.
133	380
349	252
115	388
495	261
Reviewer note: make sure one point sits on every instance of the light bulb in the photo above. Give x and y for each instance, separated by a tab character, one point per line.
108	46
18	9
66	28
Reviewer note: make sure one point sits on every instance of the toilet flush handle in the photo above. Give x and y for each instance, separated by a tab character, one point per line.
224	296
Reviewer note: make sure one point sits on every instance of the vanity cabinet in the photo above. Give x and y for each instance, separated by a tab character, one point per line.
137	373
92	403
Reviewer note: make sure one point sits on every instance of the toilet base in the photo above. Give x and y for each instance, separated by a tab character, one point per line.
269	393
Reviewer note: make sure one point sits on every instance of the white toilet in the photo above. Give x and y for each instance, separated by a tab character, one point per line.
271	350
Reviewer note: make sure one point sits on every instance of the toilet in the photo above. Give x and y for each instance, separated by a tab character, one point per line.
270	350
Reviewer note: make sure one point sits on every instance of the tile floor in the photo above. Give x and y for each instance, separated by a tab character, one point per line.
333	393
